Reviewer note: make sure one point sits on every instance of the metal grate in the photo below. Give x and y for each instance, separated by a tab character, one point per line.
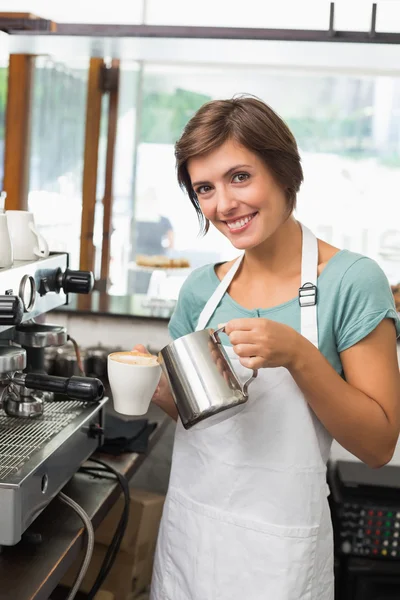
21	438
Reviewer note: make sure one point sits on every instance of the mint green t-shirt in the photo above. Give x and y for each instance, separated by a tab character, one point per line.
354	296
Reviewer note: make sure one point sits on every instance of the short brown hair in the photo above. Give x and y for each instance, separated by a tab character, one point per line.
251	123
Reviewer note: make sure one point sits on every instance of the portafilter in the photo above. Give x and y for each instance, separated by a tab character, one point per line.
16	387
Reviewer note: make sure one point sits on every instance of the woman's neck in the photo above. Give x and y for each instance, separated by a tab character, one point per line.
279	254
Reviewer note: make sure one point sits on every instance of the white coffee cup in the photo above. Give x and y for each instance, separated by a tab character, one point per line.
6	253
133	379
27	242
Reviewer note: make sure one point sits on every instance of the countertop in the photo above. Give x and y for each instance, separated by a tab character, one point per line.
133	306
31	571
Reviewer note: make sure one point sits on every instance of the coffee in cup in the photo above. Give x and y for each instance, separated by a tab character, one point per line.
133	377
135	358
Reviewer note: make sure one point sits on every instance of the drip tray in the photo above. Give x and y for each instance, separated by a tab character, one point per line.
21	438
39	455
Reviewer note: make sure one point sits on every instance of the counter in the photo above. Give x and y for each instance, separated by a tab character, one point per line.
32	569
131	306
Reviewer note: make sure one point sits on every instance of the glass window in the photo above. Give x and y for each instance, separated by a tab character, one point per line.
57	145
286	14
388	16
123	229
353	16
348	131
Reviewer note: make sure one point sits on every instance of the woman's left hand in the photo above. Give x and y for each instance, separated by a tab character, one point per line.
261	343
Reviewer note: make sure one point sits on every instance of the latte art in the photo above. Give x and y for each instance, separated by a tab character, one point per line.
135	358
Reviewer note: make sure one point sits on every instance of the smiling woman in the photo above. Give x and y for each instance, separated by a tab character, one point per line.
246	515
245	122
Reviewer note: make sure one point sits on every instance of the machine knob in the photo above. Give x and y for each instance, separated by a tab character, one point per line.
77	282
346	547
11	310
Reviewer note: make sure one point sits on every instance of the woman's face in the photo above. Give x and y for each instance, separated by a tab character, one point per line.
238	194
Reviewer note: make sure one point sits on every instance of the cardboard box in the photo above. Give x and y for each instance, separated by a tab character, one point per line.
142	529
103	595
142	573
119	580
132	570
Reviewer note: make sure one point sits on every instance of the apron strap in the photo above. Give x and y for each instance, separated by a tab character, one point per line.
308	289
217	296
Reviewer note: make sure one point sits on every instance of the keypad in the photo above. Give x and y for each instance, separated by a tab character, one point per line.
370	531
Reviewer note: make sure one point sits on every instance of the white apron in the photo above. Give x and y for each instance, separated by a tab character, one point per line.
246	515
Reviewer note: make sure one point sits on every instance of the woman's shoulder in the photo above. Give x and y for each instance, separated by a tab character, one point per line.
194	293
198	279
198	286
357	297
349	268
221	269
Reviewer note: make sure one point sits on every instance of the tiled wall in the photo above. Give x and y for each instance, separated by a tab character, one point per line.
112	331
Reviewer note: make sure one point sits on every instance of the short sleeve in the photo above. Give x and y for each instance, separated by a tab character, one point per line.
185	315
365	299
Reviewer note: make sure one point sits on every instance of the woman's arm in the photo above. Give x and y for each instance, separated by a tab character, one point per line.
163	398
363	412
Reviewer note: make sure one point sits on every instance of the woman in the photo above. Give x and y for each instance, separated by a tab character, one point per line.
246	515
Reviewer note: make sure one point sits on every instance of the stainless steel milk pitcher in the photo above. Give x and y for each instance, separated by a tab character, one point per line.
205	388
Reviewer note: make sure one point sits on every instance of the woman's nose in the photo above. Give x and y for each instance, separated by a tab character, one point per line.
226	202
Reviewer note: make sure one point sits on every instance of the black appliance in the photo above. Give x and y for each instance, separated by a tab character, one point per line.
365	506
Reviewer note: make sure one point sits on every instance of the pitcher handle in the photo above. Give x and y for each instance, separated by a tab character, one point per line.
42	250
215	336
248	382
216	339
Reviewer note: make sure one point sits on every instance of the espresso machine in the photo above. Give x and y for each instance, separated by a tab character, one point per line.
48	425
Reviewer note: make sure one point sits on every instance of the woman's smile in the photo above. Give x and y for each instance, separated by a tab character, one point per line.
239	224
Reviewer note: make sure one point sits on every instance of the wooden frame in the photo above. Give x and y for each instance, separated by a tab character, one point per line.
91	154
18	131
22	21
90	166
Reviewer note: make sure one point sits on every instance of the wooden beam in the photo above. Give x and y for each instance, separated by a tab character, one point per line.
109	172
17	131
91	153
23	21
90	165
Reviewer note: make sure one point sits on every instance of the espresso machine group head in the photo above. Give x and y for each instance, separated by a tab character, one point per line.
49	425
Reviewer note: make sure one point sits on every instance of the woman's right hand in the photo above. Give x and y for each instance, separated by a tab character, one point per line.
162	393
162	396
140	348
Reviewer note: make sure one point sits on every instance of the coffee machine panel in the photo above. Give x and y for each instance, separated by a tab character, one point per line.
48	425
29	289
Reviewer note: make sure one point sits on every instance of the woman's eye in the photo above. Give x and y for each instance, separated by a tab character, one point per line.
240	177
203	189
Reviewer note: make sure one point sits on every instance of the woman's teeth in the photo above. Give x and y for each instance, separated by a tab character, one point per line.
240	222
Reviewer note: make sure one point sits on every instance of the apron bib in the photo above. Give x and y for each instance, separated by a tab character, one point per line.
246	514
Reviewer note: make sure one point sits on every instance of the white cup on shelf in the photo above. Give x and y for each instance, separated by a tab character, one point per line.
6	251
27	242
